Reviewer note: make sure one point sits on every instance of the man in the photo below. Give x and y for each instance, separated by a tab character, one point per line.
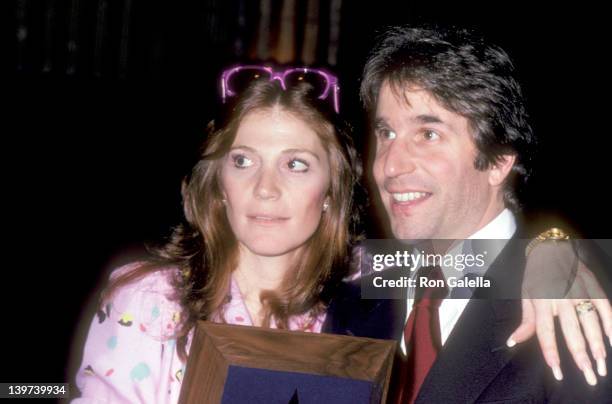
452	145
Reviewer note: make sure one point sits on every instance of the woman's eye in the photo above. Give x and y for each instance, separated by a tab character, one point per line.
297	165
385	134
242	161
430	135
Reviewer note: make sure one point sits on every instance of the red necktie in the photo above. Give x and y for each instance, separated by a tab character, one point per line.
422	334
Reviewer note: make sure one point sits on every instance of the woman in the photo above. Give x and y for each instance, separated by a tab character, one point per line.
266	241
268	208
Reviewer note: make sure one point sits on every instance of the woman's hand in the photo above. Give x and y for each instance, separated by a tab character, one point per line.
553	270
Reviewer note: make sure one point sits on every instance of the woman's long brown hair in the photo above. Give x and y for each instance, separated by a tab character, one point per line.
204	249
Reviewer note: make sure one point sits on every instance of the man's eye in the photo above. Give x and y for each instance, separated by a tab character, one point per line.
385	134
430	135
242	161
298	165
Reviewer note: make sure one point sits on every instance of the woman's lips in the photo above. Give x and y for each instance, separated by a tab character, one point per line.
264	219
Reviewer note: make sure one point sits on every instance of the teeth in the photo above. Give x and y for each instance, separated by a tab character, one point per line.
408	196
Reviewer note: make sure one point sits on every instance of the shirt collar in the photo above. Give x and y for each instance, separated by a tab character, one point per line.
502	227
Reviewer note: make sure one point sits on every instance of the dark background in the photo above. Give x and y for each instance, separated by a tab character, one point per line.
101	120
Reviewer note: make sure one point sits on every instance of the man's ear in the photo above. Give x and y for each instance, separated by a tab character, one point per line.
500	170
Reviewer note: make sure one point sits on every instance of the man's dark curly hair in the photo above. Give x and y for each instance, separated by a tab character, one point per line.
467	76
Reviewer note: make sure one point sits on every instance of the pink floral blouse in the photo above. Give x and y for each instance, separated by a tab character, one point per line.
130	353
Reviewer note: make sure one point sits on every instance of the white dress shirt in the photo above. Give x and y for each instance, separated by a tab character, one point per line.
500	228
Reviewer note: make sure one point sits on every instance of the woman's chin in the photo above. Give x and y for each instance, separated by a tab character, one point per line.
271	248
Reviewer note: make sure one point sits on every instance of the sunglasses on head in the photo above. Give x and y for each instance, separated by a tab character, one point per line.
235	79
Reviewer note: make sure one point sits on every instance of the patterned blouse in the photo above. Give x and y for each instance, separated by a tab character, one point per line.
130	354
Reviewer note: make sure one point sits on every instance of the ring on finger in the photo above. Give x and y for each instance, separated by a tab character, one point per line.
584	307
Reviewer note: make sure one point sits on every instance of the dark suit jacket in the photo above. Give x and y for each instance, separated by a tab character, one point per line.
474	365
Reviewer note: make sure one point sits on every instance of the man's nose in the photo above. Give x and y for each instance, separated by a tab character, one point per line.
267	187
399	158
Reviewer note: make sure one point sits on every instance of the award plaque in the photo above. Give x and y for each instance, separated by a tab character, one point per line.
233	364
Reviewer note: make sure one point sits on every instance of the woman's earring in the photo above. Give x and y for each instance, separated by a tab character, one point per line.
224	201
325	206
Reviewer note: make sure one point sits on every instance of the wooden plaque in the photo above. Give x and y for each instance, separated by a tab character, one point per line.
233	364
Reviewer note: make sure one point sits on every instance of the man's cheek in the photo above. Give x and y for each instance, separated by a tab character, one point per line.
378	175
